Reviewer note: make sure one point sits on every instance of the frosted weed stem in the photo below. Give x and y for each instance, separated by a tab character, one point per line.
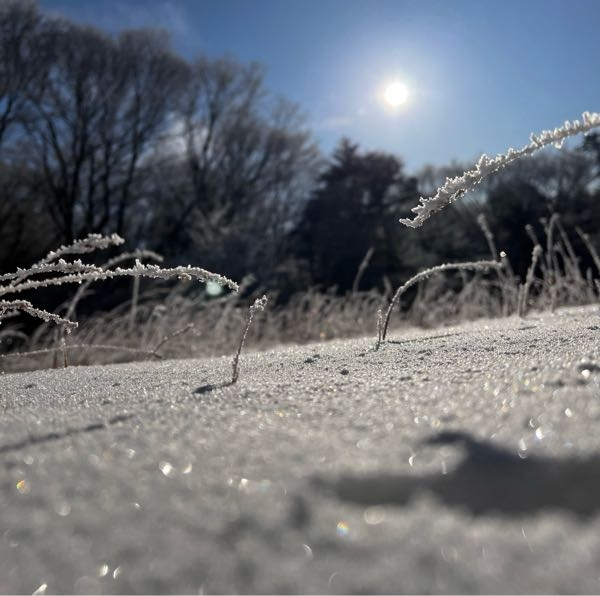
379	327
551	262
476	266
524	298
507	276
63	347
361	269
454	188
588	244
259	304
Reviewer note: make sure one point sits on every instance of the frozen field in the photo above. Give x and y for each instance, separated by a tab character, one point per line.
463	459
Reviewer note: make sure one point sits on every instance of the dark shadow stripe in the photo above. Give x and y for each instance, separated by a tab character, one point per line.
57	436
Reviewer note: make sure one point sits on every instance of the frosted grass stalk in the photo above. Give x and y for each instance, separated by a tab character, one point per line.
61	266
573	261
139	270
454	188
507	275
473	266
79	273
26	306
588	244
361	269
535	257
90	243
135	255
259	304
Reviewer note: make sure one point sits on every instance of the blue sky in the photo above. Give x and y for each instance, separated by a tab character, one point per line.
482	74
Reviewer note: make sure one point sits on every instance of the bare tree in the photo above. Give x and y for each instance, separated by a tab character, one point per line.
20	60
120	135
154	79
244	159
96	113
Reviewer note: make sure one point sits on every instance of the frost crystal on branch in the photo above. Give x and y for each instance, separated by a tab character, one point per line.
138	270
382	327
26	306
181	272
258	305
61	266
90	243
454	188
53	270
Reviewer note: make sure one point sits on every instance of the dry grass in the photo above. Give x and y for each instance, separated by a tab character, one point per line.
182	321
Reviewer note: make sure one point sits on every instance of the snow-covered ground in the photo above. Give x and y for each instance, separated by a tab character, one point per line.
463	459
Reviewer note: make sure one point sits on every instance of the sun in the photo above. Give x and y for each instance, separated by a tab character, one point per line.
395	94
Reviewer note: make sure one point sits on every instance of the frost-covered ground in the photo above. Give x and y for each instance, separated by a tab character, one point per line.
464	459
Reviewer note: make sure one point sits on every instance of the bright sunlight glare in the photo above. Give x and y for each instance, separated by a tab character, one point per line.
395	94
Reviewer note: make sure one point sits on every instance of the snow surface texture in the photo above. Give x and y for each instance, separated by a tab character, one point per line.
463	460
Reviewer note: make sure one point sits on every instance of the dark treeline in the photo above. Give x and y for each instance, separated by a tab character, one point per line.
102	134
199	161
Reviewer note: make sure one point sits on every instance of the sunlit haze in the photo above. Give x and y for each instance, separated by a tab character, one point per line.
395	94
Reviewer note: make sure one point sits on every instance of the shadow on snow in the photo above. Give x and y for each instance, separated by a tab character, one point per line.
489	479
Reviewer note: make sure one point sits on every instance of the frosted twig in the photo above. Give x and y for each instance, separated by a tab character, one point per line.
489	236
90	243
138	269
588	244
535	256
506	275
136	254
259	304
172	335
379	327
551	270
182	272
26	306
573	261
531	233
63	347
80	273
474	266
61	266
549	226
361	269
58	348
456	187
